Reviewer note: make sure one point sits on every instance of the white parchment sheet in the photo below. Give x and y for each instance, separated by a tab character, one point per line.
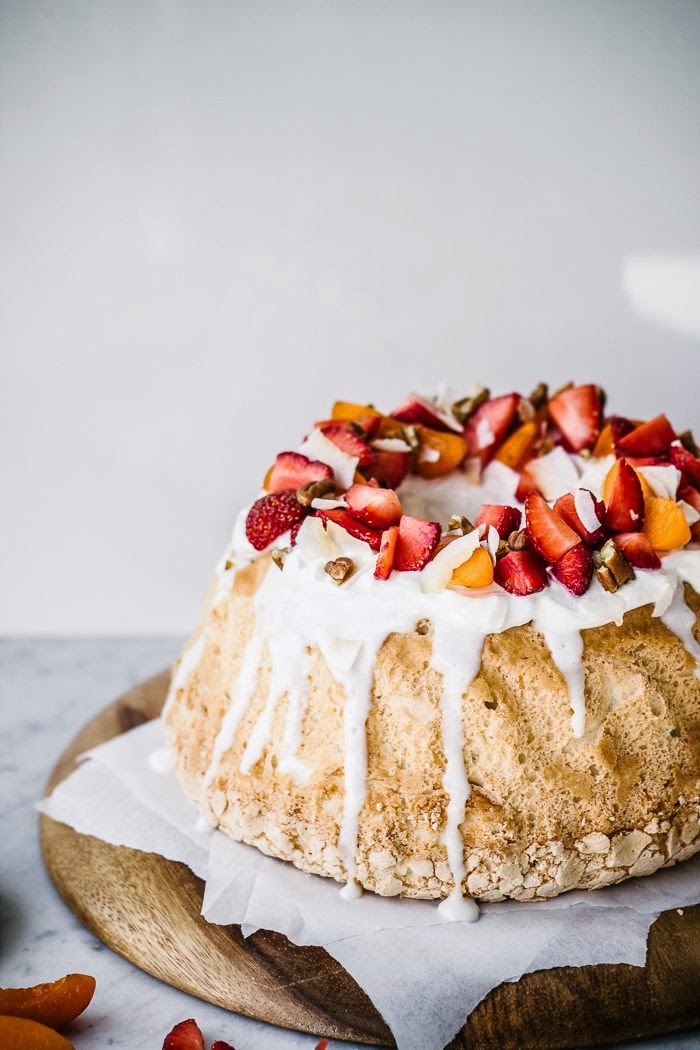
423	974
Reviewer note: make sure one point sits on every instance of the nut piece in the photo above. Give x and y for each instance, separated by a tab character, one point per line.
340	569
518	541
526	410
539	396
688	442
467	406
315	490
612	567
423	627
279	555
457	523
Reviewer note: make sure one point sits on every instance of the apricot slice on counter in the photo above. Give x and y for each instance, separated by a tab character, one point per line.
477	571
54	1004
665	524
19	1033
440	452
515	449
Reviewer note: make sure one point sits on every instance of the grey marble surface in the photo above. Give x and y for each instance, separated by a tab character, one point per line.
48	689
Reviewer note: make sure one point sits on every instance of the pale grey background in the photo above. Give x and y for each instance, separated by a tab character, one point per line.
216	217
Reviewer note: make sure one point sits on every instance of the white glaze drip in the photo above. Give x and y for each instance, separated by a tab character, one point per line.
680	620
188	663
297	699
566	649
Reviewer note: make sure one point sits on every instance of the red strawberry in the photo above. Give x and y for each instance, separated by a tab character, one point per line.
377	507
323	1045
691	496
347	439
368	424
416	543
688	465
625	507
490	424
521	572
387	550
184	1036
620	427
221	1045
648	439
550	536
292	470
416	409
390	467
638	550
272	515
646	461
575	569
351	525
576	412
566	509
525	486
504	519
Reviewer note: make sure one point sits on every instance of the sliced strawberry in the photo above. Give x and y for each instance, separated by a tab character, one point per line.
638	550
575	569
347	439
526	485
688	465
221	1045
323	1045
416	543
624	511
647	461
292	470
390	467
184	1036
375	506
576	412
591	507
272	515
416	409
620	427
648	439
387	550
490	424
521	572
549	535
504	519
367	424
294	533
356	528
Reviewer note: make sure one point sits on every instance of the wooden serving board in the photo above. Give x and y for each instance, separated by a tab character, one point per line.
148	909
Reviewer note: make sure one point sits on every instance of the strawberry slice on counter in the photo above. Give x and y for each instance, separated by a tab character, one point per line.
374	506
648	439
354	527
624	509
184	1036
521	572
271	516
347	439
688	465
291	470
389	467
416	409
638	550
490	424
503	518
549	535
416	543
387	551
575	569
591	508
576	412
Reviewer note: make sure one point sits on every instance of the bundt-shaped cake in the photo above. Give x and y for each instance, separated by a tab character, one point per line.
451	652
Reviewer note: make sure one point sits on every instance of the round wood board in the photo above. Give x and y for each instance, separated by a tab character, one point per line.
148	909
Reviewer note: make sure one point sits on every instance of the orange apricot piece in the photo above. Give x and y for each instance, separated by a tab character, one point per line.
348	410
440	452
665	524
515	449
54	1004
477	571
605	445
19	1033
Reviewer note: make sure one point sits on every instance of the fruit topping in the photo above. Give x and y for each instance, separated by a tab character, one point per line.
54	1004
553	473
624	498
390	467
584	514
387	550
477	571
638	550
416	409
490	424
416	542
374	506
346	438
291	470
549	535
521	572
355	528
465	408
516	449
648	439
450	553
612	567
688	465
347	410
439	452
576	412
271	516
184	1036
340	569
504	519
575	569
665	524
221	1045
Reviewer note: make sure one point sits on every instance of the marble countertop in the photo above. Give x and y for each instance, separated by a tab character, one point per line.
48	690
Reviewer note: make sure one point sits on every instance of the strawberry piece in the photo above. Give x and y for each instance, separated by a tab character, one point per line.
323	1045
504	519
387	550
390	467
648	439
221	1045
638	550
691	496
271	516
354	527
416	409
347	439
416	543
620	427
292	470
549	535
624	510
377	507
566	509
576	412
184	1036
521	572
575	569
525	486
688	465
490	424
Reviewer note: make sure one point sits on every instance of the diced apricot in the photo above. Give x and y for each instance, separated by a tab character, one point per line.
348	410
440	452
515	449
19	1033
55	1003
268	476
609	482
665	524
476	572
605	445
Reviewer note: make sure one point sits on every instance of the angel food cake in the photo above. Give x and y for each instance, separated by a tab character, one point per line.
451	652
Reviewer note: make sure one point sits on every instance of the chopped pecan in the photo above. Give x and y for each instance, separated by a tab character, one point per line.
688	442
612	567
279	555
339	569
315	490
539	395
423	627
467	406
518	540
458	523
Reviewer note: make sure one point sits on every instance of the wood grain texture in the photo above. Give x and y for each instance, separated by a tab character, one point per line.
148	909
